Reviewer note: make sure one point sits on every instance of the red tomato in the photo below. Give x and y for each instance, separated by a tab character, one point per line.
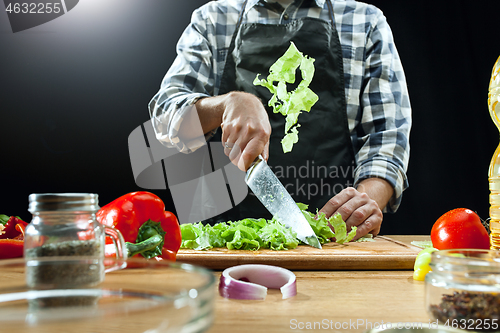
459	228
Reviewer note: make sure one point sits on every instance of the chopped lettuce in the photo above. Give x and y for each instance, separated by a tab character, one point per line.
255	234
321	226
290	104
422	244
240	241
276	236
341	235
202	237
242	235
365	238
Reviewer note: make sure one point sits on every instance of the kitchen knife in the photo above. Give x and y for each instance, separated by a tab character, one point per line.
273	195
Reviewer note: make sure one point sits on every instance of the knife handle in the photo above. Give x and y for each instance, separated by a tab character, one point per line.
257	160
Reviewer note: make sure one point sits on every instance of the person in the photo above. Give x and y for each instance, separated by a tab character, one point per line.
353	147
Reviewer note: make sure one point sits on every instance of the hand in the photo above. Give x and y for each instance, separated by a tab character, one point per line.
245	125
357	209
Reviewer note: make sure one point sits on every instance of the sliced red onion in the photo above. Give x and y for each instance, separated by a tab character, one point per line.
252	281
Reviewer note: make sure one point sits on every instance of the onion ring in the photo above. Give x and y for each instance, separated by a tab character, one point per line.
252	281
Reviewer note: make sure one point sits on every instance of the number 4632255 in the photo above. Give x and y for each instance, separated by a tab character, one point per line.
33	8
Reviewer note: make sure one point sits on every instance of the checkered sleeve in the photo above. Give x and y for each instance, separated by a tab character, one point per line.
189	78
384	126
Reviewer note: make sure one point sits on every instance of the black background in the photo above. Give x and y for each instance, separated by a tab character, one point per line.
73	89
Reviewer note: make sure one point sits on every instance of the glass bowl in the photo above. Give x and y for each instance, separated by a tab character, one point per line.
463	289
145	296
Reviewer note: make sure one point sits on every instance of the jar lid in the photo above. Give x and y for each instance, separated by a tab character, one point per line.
83	202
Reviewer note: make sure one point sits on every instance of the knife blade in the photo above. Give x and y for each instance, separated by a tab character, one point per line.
273	195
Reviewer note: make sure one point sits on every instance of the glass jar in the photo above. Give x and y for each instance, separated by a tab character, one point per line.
463	289
64	225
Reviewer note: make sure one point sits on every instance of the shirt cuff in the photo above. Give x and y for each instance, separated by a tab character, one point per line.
386	170
167	126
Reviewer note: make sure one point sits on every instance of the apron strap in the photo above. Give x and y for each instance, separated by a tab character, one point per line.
240	18
330	9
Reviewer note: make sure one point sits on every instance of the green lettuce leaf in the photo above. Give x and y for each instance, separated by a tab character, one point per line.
255	234
341	235
202	237
365	238
422	244
239	241
289	140
290	104
319	226
276	236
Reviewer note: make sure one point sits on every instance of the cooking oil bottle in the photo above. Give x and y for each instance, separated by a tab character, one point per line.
494	171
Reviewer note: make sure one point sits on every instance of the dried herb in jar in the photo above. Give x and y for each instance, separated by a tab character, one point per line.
470	309
66	273
78	270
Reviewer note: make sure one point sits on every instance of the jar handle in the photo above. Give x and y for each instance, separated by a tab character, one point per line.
119	243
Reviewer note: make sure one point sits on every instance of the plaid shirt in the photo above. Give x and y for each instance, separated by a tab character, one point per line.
378	106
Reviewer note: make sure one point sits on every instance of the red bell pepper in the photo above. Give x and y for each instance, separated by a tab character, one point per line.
142	219
12	238
9	229
11	248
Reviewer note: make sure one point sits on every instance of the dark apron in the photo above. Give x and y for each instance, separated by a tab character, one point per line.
322	163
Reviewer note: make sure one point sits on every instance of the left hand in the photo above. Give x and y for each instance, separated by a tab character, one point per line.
357	209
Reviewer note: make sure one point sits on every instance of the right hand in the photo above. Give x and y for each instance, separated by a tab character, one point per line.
245	125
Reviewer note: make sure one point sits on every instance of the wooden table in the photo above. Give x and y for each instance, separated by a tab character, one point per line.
343	300
334	301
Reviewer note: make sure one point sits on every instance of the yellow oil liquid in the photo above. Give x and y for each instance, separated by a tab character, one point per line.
494	171
495	212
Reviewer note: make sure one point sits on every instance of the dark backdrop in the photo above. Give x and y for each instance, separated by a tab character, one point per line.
73	89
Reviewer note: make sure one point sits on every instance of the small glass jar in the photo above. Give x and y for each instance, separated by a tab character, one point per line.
463	289
64	225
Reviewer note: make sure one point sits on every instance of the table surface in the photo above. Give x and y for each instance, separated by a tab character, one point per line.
332	301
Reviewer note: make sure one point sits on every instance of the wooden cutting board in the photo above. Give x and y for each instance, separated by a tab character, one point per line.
383	253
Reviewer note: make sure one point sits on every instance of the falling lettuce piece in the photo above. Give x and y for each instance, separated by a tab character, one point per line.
307	70
290	104
289	140
284	68
291	120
